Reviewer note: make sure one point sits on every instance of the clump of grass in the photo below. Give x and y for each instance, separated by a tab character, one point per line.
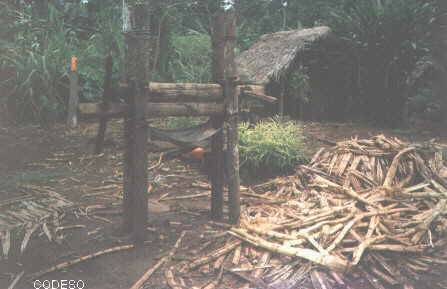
273	146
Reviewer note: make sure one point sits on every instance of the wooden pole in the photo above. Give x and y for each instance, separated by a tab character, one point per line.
128	168
73	101
281	98
128	124
232	99
180	91
217	141
107	87
138	73
154	110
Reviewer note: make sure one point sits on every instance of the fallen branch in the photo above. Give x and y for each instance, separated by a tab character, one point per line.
216	254
16	280
187	197
160	160
140	282
332	262
67	264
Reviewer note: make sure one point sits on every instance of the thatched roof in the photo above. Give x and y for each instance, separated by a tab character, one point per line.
273	54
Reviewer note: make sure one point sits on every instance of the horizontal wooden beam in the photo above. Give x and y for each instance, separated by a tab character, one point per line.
200	92
257	92
262	97
258	89
154	109
173	92
90	109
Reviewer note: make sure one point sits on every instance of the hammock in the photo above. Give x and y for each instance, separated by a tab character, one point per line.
186	137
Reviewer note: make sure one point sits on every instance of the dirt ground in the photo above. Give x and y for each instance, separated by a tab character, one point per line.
62	161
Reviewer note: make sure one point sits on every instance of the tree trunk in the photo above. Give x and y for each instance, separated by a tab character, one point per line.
440	56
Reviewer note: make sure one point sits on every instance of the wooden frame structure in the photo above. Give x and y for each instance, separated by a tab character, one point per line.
145	99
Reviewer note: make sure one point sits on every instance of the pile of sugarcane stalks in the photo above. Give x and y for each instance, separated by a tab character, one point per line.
367	213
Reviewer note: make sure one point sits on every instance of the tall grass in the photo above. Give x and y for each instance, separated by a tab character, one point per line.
40	55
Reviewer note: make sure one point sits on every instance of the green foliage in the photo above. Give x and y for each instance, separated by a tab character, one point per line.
40	55
271	146
384	39
191	60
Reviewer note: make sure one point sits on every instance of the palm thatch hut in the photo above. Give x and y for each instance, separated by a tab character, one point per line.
280	61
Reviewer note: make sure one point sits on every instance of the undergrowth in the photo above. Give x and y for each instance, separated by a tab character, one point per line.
273	146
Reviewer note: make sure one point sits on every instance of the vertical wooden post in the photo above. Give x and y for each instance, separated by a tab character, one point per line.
232	114
107	87
138	74
281	98
73	101
128	173
439	54
140	204
217	174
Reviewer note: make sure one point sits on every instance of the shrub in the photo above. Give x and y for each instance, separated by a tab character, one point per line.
273	145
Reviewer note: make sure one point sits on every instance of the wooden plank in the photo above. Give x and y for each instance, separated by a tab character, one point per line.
198	92
232	99
90	109
262	97
217	142
250	88
184	92
255	91
154	110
